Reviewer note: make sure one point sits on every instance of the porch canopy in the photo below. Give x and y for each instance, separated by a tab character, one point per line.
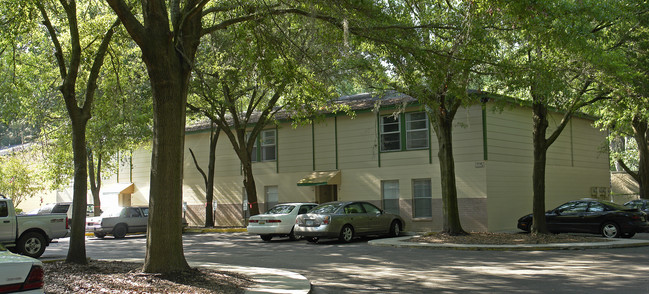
119	188
320	178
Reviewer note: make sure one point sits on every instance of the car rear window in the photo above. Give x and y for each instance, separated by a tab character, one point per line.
326	208
61	208
281	209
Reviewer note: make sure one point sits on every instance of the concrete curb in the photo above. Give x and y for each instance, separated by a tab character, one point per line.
400	242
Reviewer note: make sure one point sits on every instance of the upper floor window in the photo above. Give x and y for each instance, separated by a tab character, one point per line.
265	148
414	132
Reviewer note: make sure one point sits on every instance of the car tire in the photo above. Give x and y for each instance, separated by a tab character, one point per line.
628	235
611	230
266	237
120	231
100	235
292	236
32	244
395	229
346	234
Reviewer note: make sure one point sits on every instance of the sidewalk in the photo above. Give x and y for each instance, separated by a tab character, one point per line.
400	242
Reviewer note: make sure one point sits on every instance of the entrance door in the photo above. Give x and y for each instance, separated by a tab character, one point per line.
326	193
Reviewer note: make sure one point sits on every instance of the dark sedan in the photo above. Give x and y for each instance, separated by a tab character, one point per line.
592	216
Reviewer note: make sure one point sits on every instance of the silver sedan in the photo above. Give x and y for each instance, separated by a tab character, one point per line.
346	220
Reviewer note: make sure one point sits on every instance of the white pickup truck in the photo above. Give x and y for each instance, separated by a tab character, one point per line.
30	234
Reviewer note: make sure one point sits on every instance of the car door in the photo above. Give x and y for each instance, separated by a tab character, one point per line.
356	216
135	220
7	223
593	218
378	222
567	217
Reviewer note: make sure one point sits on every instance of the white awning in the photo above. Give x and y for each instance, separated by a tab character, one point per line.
321	178
119	188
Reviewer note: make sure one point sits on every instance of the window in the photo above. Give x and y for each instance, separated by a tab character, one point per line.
272	196
422	198
390	192
264	148
267	142
414	132
371	209
354	208
4	209
390	133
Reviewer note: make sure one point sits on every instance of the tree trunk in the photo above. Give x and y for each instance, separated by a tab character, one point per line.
209	190
251	189
641	136
77	247
442	120
95	181
164	250
540	122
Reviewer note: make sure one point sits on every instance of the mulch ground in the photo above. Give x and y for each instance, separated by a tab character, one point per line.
126	277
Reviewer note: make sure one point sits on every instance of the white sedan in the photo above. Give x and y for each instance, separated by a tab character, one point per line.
277	221
19	273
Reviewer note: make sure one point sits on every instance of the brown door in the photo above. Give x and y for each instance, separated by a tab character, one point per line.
326	193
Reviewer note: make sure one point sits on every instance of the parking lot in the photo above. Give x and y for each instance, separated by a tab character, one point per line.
333	267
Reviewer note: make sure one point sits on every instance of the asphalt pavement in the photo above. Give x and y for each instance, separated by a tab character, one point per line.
205	246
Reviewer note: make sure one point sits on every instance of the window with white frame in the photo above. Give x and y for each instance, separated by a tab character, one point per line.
272	196
265	147
416	130
390	195
268	141
422	198
390	133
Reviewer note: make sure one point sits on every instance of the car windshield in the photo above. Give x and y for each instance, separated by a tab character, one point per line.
281	209
112	212
326	208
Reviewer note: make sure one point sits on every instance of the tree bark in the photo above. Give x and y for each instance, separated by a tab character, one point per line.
95	181
442	121
641	136
77	247
540	126
208	179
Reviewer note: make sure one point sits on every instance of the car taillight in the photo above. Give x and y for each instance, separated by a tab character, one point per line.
635	217
326	220
252	221
274	221
35	278
67	223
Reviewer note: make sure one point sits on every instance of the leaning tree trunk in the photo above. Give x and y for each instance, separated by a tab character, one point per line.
77	247
540	121
251	189
209	190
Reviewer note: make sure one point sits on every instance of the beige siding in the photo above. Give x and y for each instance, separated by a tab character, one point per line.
295	148
467	135
357	141
325	144
509	135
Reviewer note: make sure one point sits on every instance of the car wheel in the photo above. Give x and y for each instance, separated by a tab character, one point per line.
628	235
120	231
346	234
100	235
32	244
312	239
611	230
395	229
266	237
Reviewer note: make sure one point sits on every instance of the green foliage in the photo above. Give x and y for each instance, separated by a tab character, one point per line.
20	175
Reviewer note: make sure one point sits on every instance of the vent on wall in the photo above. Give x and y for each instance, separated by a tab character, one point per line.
600	192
